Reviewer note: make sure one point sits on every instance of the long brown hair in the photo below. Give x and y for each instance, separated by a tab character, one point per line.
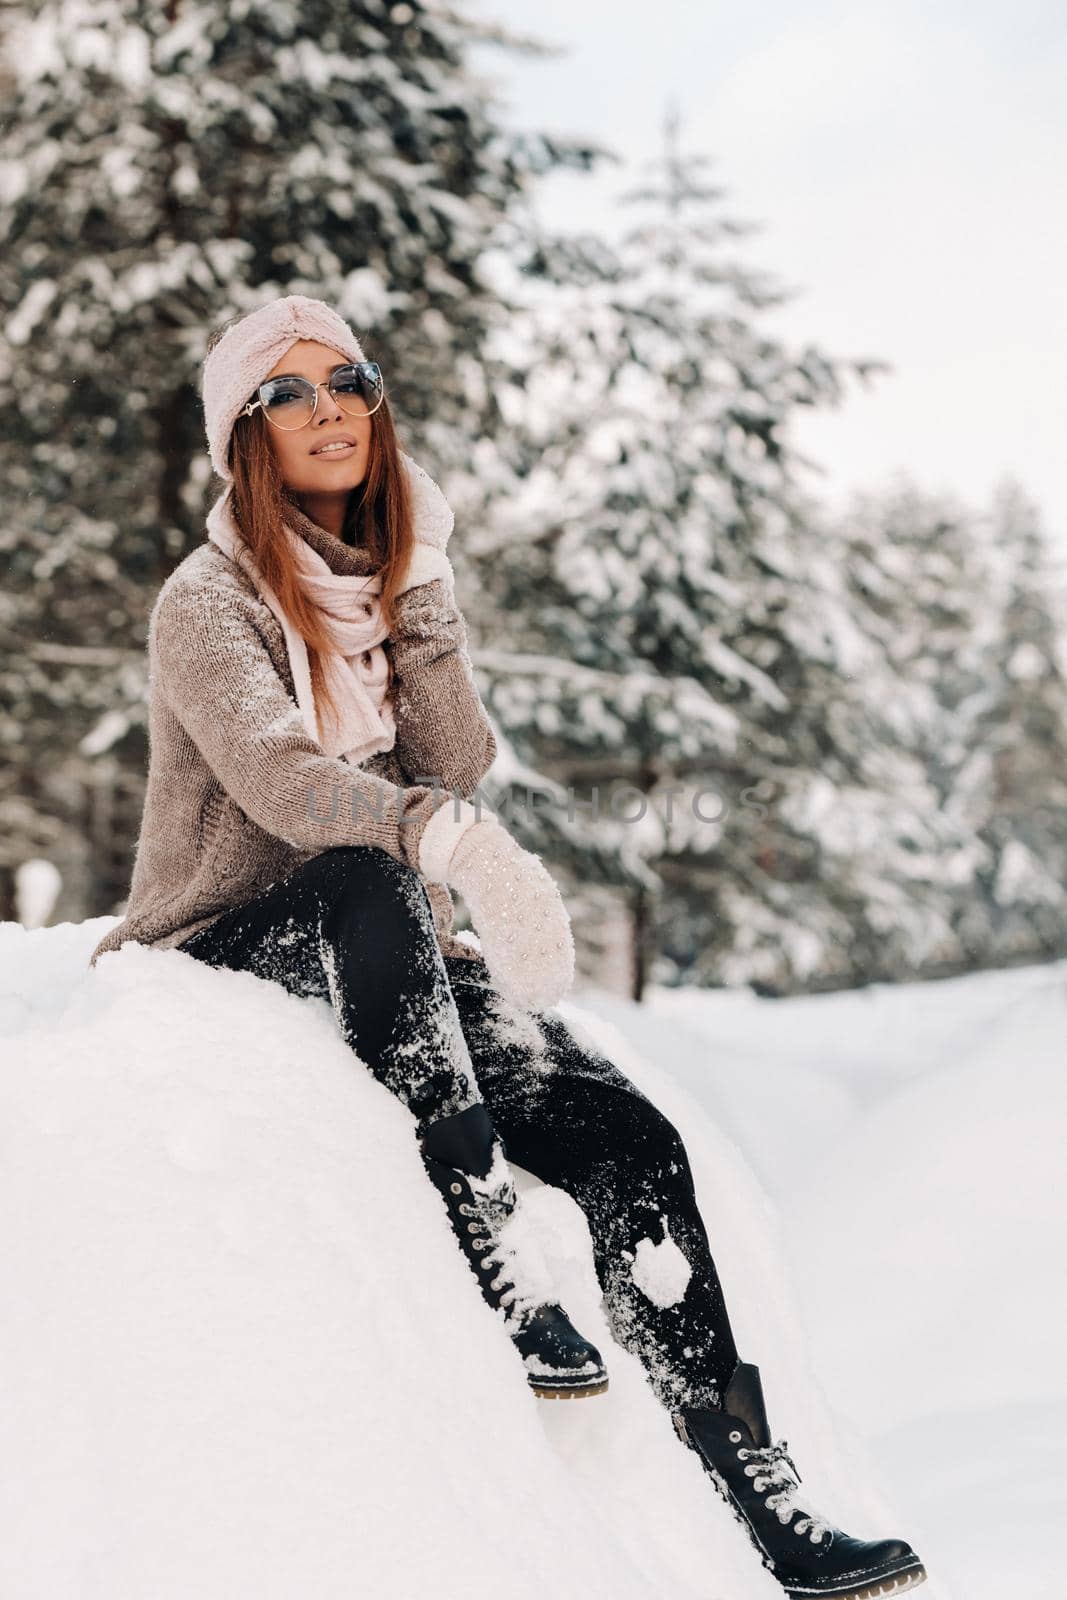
378	515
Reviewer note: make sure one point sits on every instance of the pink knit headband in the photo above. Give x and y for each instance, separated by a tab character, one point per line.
248	350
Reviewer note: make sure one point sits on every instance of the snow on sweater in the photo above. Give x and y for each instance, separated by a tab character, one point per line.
238	793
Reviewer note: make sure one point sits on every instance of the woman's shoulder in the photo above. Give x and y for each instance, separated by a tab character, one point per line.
208	580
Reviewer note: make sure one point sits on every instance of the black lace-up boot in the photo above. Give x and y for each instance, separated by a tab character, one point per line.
756	1477
466	1161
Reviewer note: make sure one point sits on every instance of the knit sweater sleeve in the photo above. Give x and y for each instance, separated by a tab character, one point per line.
215	672
442	728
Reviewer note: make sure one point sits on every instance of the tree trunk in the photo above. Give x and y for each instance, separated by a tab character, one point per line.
8	907
641	925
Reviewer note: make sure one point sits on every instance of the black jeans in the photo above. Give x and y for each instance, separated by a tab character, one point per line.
354	926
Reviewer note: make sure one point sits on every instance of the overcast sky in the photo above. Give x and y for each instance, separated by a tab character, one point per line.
906	164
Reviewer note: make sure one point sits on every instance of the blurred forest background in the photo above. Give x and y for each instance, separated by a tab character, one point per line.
773	745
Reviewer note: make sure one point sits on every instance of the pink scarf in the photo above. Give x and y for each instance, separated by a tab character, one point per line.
356	670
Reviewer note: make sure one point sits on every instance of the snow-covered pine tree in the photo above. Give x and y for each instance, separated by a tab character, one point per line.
669	616
898	846
163	167
956	858
1019	743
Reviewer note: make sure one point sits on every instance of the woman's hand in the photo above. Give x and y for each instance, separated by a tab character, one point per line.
518	914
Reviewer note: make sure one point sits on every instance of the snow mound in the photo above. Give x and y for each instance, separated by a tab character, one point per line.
242	1355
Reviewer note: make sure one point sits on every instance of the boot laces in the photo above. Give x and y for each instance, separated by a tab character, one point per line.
770	1471
522	1279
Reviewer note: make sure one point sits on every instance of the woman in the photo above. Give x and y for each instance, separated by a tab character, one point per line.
316	734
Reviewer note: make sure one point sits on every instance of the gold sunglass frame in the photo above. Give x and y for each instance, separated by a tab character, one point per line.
327	383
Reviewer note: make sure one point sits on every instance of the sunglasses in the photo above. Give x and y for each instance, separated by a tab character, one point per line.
292	402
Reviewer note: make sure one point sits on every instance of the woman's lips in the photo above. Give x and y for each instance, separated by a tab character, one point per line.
334	453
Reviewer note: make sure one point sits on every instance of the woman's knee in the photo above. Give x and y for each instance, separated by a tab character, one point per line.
656	1136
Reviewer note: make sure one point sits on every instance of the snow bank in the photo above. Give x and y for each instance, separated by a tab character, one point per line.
242	1356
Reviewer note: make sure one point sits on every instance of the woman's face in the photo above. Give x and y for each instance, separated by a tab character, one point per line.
305	470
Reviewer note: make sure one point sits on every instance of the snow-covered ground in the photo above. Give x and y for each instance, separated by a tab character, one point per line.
242	1359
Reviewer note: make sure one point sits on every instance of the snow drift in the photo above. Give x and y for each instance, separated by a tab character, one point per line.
242	1355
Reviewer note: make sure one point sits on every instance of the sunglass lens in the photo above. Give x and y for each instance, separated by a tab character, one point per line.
359	388
289	402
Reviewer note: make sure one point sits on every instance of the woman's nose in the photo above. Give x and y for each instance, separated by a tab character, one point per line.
325	404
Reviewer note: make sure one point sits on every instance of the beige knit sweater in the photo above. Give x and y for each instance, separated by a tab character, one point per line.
239	794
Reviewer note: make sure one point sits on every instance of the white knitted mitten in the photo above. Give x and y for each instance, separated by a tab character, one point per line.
517	910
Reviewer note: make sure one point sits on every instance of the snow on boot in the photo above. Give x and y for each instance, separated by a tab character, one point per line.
466	1162
807	1555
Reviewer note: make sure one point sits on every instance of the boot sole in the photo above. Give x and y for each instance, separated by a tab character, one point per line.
895	1584
568	1391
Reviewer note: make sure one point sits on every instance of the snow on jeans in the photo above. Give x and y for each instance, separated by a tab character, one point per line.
354	926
